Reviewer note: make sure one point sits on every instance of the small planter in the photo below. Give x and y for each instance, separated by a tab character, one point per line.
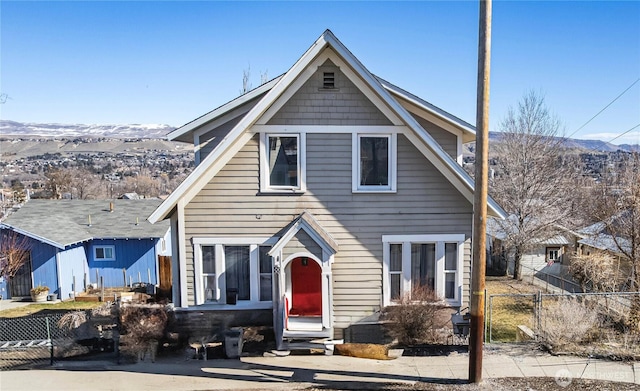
40	297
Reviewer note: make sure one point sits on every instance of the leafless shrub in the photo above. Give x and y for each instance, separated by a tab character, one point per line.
143	322
597	271
142	327
105	309
72	320
567	322
417	318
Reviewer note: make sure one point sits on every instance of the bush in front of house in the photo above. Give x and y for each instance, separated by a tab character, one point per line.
418	317
567	322
142	327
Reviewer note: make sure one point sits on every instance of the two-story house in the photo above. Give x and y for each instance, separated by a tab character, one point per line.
318	198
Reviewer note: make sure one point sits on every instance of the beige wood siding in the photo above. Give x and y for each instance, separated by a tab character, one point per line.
425	203
302	242
209	140
343	105
447	140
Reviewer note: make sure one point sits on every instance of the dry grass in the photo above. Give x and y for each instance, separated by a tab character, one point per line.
507	313
58	307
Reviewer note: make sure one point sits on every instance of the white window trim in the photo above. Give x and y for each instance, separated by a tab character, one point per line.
355	164
254	258
405	284
113	252
265	186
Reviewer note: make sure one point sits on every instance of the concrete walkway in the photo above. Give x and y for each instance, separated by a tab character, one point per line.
297	372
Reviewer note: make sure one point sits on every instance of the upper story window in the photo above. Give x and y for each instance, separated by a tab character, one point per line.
282	163
374	163
104	253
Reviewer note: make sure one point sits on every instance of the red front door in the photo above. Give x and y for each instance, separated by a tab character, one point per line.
306	288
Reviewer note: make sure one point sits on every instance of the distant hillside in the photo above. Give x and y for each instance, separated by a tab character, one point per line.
584	145
13	128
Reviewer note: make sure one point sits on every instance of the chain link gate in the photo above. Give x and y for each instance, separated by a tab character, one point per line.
30	341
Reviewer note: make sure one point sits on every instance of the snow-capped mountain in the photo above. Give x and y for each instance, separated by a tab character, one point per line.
13	128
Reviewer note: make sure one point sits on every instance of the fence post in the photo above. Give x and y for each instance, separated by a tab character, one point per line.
547	286
490	318
538	310
50	340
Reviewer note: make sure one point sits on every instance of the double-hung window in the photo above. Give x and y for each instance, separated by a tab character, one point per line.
432	261
282	163
553	254
104	253
233	271
374	162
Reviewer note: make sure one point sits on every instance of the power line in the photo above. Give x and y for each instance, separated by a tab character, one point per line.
594	149
623	133
603	109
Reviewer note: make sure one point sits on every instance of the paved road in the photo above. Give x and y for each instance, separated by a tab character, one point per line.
297	372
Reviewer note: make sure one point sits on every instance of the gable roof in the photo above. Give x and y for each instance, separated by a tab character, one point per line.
306	222
504	228
61	223
238	136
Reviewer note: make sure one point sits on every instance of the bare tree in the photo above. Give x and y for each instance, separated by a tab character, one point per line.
142	184
615	205
58	182
246	75
83	184
531	174
14	252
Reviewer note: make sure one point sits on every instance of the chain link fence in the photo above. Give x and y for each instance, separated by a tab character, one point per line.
29	341
40	340
592	320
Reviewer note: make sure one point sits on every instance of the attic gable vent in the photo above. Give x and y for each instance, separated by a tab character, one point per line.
328	80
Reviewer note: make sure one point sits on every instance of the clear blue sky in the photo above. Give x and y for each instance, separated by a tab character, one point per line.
169	62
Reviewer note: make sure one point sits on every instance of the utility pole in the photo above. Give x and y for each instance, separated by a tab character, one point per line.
476	337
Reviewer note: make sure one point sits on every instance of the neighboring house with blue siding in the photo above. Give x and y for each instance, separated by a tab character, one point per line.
318	198
84	241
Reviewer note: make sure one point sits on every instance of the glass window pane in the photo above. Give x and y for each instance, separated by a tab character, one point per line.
265	260
237	271
423	265
265	274
265	287
283	161
100	253
450	285
208	259
374	161
108	252
210	288
395	252
450	256
395	287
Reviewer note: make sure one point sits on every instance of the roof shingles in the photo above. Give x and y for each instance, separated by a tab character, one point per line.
65	222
